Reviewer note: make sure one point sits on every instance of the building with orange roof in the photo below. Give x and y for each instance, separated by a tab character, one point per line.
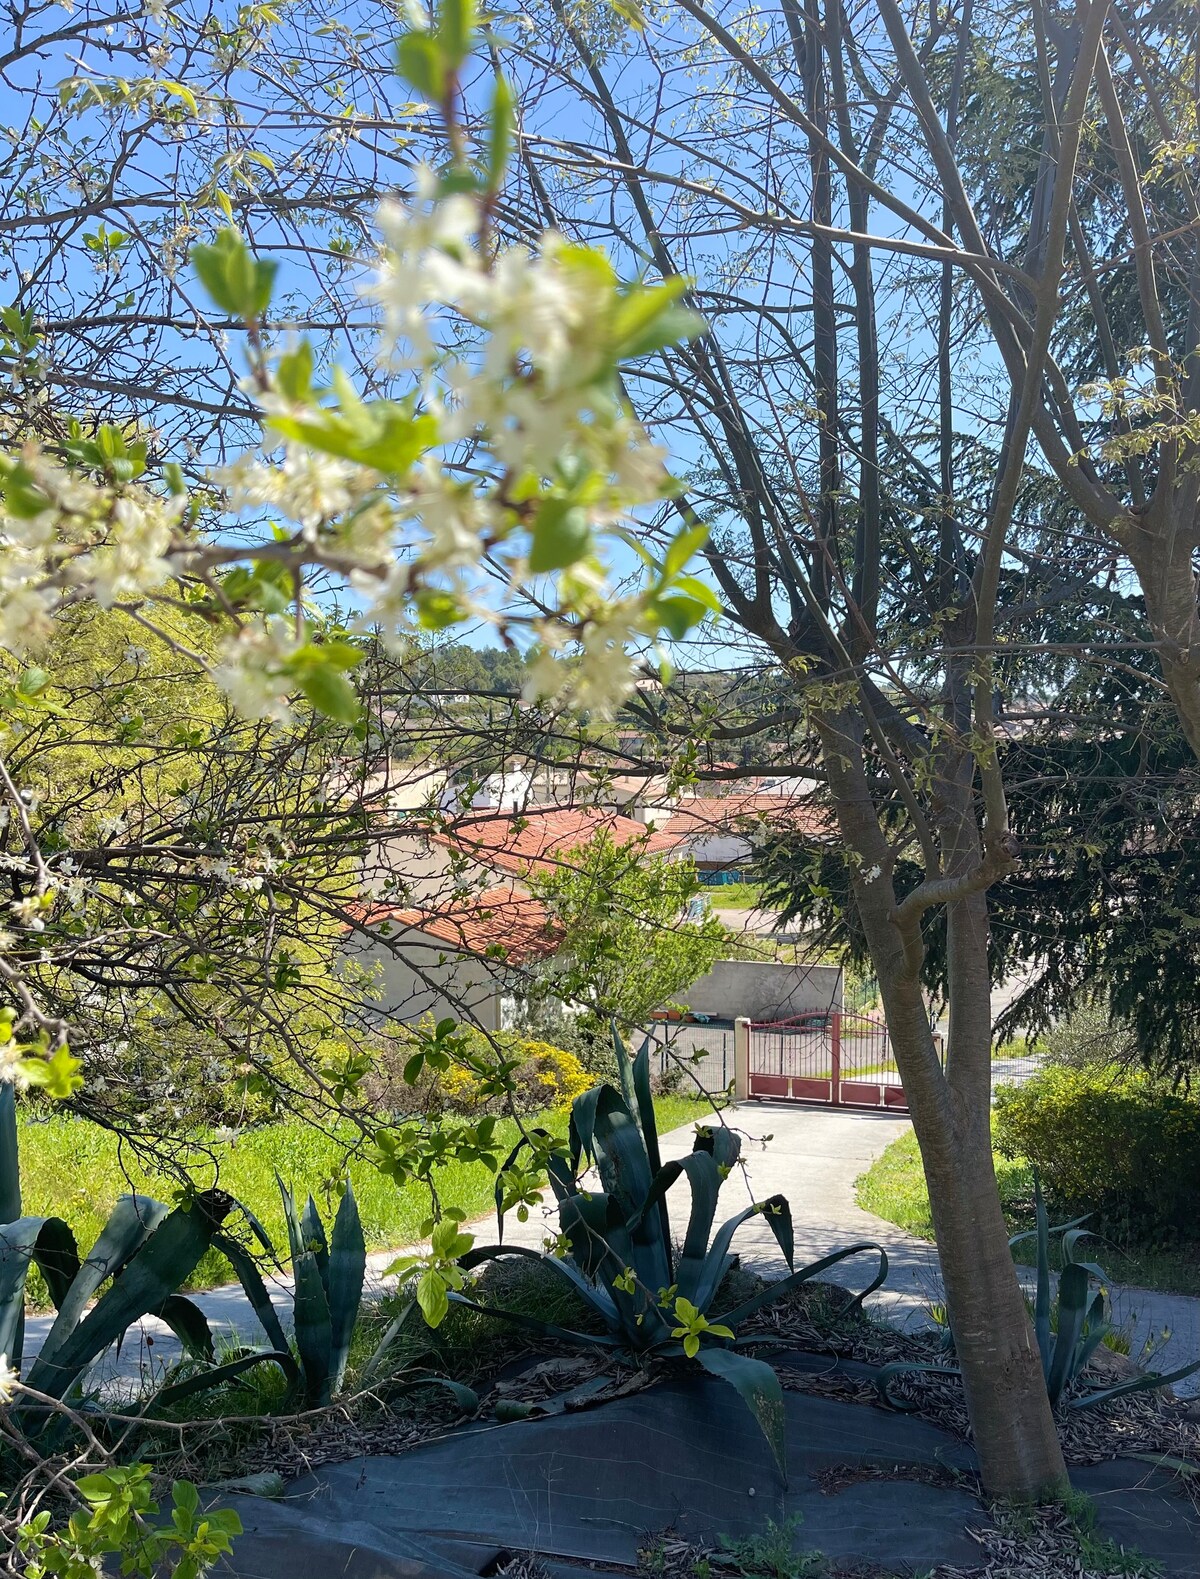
463	958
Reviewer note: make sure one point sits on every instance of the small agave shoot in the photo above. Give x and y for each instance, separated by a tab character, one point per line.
621	1256
328	1274
144	1253
1068	1344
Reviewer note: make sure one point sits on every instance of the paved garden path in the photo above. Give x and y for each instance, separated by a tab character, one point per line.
812	1156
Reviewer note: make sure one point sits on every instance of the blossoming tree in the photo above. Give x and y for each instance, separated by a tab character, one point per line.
501	485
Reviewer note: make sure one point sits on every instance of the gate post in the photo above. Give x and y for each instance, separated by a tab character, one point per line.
741	1059
835	1058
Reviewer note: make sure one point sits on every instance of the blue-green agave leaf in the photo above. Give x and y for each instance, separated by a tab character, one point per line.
346	1274
758	1387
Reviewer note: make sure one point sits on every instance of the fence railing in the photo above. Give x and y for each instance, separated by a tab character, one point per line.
845	1059
699	1055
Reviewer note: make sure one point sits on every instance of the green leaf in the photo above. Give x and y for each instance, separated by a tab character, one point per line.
438	610
677	614
456	27
237	282
293	373
650	317
500	131
562	536
382	434
330	692
432	1298
419	61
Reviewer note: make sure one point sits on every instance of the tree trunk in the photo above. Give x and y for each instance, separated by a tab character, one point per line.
1161	550
1013	1425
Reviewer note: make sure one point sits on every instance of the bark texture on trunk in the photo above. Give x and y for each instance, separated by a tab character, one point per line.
1015	1435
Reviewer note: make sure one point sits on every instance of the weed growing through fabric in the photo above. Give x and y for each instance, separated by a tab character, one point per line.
771	1554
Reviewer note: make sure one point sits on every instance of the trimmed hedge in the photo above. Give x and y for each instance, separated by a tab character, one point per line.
1109	1141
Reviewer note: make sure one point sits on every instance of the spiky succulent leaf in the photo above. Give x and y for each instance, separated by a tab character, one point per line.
10	1162
345	1276
785	1285
649	1123
28	1239
291	1219
1041	1306
189	1324
204	1381
704	1180
758	1387
312	1235
886	1374
314	1337
1073	1289
163	1260
535	1325
1135	1384
723	1144
130	1224
775	1212
596	1297
251	1279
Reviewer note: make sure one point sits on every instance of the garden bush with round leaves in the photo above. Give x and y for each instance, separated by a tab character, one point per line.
1109	1141
538	1077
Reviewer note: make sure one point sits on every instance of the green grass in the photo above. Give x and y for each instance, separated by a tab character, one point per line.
73	1169
734	896
894	1189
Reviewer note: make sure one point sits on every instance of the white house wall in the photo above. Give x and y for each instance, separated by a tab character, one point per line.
427	978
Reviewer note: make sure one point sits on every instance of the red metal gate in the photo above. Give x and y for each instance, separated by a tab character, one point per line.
825	1056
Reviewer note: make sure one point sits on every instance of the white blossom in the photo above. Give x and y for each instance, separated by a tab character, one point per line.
12	1066
9	1377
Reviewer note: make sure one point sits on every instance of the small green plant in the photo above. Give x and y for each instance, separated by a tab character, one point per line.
328	1271
617	1250
1099	1554
771	1554
1068	1343
118	1520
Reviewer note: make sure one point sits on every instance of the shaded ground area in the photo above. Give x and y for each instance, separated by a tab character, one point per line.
887	1491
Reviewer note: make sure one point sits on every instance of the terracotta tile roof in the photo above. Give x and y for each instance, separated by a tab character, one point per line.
541	838
706	814
501	918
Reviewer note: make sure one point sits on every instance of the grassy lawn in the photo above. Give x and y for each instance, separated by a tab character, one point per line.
734	896
894	1189
76	1170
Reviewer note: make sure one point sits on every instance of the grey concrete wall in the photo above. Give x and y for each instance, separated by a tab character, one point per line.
763	990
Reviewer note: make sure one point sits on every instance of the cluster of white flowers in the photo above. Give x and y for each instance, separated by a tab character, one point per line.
522	438
90	540
13	1071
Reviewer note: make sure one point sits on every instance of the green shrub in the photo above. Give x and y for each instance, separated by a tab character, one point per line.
541	1077
1109	1141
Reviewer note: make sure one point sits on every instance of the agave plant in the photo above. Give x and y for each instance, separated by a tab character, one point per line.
144	1253
620	1254
1067	1345
1083	1324
328	1272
